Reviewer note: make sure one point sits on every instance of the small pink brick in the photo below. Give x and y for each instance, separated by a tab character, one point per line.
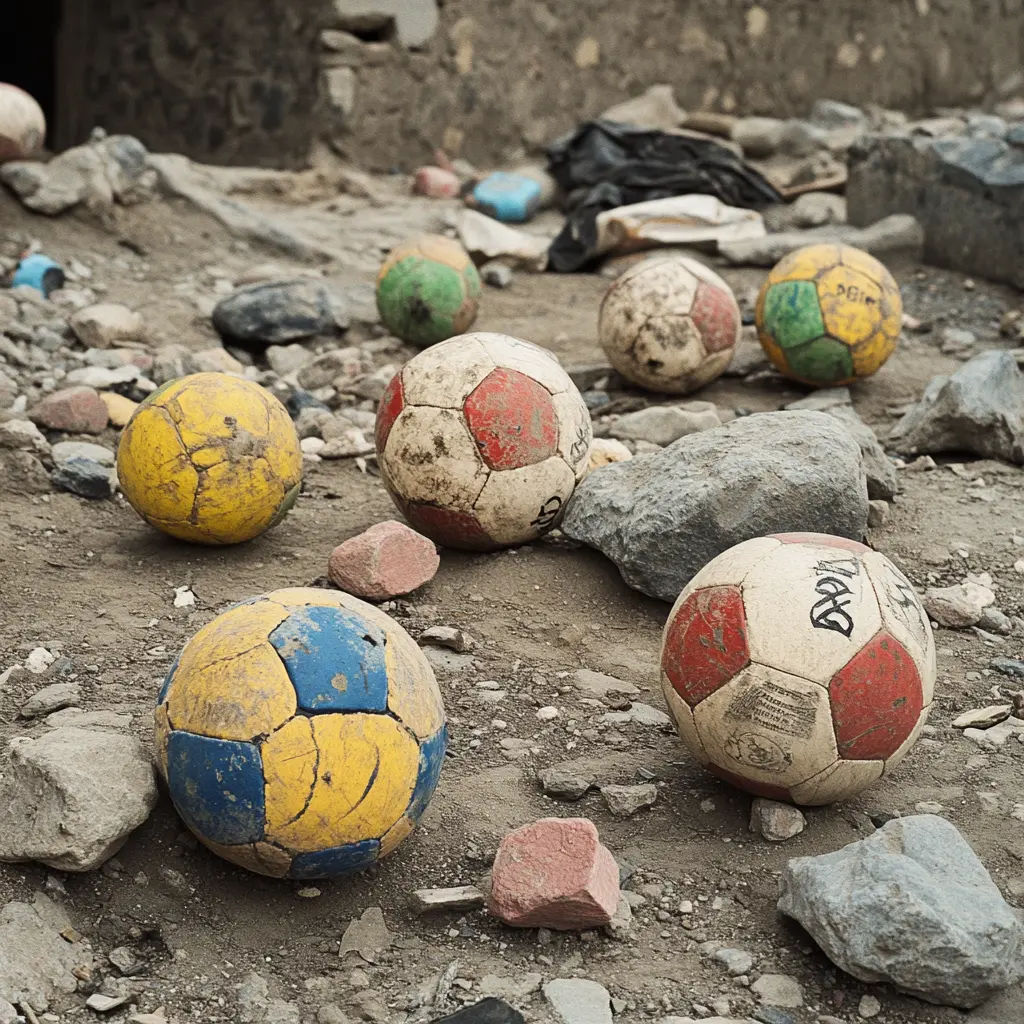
386	561
436	182
78	410
554	874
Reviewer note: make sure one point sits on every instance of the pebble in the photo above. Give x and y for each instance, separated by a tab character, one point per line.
778	990
106	325
878	514
735	961
563	783
448	636
104	1004
625	801
39	660
462	897
641	714
51	698
600	685
547	714
86	478
983	718
275	312
579	1001
869	1007
776	821
663	424
995	621
496	274
77	410
1008	667
385	561
119	408
959	606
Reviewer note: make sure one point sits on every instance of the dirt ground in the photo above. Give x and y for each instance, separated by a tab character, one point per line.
92	580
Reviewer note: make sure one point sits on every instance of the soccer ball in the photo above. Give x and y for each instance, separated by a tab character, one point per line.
22	124
301	734
481	440
829	315
427	290
799	667
669	325
210	458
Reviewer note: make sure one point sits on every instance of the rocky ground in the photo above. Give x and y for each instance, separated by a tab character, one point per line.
170	926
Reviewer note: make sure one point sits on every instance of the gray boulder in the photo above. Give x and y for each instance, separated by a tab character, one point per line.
979	409
879	469
274	313
912	906
71	798
662	517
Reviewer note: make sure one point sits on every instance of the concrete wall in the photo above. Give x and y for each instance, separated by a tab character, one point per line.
253	81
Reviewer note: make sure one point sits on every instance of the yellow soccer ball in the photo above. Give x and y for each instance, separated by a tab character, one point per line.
829	315
301	734
210	458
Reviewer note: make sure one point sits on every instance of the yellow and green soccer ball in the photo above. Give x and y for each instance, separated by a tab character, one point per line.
301	734
210	458
829	315
428	290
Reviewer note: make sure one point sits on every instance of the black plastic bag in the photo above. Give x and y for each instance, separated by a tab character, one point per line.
603	165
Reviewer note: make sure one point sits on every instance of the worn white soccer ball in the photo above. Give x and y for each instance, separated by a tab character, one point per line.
670	324
22	124
799	667
481	440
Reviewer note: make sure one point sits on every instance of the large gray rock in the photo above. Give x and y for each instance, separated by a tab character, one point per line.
35	960
71	798
274	313
979	409
968	194
913	906
879	469
662	517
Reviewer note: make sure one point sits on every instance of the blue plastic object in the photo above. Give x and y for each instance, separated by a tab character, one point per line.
512	198
39	272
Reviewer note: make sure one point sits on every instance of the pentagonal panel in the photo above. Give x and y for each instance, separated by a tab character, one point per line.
809	609
840	781
876	700
682	716
822	361
908	744
904	616
413	695
534	361
451	528
768	791
850	304
806	264
705	643
446	374
716	316
335	861
575	431
710	369
512	419
731	567
770	727
791	314
392	402
518	505
432	754
431	457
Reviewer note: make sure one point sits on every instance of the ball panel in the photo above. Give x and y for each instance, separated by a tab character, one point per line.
534	361
830	612
666	351
237	697
335	861
446	374
869	356
282	452
203	418
823	540
837	782
864	263
775	354
682	716
391	404
153	468
448	527
261	858
395	836
22	123
431	458
518	505
290	759
904	616
717	317
705	643
792	315
768	727
413	694
668	283
168	679
422	299
217	787
334	658
768	791
730	568
432	754
806	264
512	419
365	778
876	700
237	500
575	431
823	361
850	305
893	762
161	734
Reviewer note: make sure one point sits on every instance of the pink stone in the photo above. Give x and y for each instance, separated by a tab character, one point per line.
554	874
78	410
387	560
436	182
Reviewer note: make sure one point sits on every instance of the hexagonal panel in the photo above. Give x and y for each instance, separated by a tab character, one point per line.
663	283
716	316
822	361
869	356
809	609
518	505
840	781
392	402
705	643
806	264
512	419
876	700
851	305
769	727
431	457
534	361
335	861
445	375
904	616
792	315
575	431
682	716
864	263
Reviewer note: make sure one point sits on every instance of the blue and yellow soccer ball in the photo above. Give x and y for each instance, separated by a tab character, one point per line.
301	734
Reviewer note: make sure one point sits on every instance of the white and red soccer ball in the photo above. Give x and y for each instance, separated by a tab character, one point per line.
670	324
481	440
799	667
22	124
